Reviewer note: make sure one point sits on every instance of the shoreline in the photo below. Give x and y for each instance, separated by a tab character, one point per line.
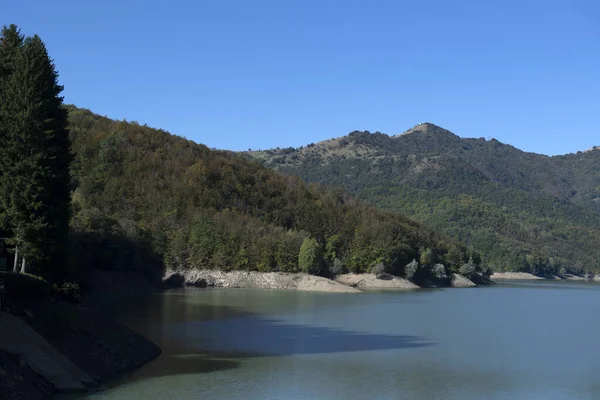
344	283
531	277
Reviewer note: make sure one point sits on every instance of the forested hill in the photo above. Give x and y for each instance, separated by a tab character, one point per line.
143	198
522	211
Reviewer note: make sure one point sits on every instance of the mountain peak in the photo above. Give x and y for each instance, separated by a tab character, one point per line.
425	127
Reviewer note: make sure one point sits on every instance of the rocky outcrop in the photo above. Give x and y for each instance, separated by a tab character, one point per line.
515	275
373	282
255	280
461	281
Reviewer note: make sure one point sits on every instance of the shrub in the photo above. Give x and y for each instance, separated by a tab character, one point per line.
411	269
69	291
467	270
378	269
439	271
336	268
487	272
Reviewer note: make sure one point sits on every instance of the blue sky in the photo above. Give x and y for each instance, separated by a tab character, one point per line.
261	74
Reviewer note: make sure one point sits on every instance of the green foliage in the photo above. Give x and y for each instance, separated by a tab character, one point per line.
34	182
169	202
336	268
439	272
468	269
378	269
518	211
332	247
427	258
410	269
310	257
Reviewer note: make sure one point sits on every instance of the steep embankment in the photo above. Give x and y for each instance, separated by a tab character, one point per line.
58	345
523	211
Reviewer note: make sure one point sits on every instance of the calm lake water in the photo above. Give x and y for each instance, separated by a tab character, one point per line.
515	340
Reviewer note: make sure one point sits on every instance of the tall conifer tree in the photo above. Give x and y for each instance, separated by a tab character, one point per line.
11	42
36	156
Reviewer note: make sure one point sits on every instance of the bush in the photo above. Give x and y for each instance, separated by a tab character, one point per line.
411	269
378	269
467	270
439	271
336	268
69	291
487	272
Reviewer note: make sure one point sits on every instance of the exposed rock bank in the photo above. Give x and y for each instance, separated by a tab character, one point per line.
515	275
371	282
255	280
528	276
461	281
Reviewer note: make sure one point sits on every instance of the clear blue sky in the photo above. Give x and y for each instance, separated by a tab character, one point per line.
260	74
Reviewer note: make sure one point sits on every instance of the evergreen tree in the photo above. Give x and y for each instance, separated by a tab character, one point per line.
35	162
11	42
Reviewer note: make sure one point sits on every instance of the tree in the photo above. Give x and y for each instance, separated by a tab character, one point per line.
310	258
34	186
469	269
439	272
427	258
411	269
11	42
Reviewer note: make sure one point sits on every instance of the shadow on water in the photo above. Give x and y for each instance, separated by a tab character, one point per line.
201	338
255	336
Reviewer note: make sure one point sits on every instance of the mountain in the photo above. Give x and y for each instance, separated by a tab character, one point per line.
522	211
148	200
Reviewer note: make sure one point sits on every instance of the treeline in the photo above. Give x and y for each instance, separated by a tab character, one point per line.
140	191
521	211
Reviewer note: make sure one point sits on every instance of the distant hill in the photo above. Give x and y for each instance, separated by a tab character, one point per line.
522	211
148	200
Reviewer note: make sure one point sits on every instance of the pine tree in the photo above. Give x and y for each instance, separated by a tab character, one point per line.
11	42
36	156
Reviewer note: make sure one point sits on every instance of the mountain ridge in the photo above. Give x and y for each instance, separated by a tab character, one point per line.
438	169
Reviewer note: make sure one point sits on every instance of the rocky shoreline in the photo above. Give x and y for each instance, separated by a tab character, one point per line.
531	277
345	283
254	280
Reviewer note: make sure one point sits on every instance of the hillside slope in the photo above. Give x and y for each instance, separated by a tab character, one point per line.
148	200
522	211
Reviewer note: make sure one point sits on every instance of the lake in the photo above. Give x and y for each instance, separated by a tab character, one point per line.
514	340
